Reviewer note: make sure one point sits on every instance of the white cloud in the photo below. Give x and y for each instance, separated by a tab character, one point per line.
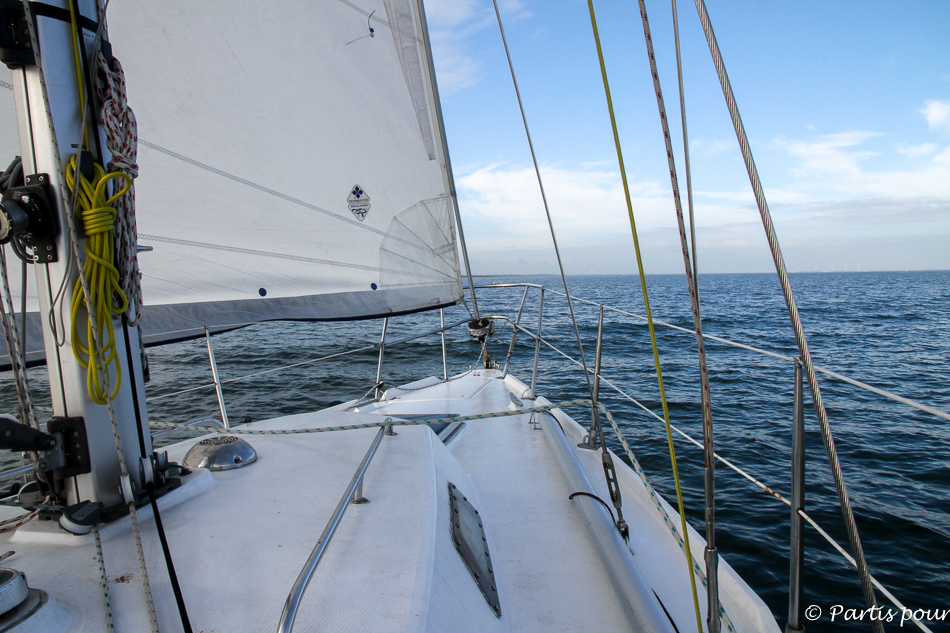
915	151
937	114
828	154
707	147
830	168
455	69
841	209
503	208
452	23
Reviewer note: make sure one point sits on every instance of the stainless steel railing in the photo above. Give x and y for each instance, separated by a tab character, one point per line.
286	624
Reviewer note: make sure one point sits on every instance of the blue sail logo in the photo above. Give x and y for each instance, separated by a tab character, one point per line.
358	202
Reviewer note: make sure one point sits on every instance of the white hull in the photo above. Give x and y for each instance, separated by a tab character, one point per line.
240	537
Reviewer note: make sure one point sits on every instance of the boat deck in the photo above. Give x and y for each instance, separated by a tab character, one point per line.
240	537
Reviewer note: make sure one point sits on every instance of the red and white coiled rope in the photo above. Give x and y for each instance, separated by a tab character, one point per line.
121	130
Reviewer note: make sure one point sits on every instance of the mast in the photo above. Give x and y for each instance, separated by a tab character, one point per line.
49	95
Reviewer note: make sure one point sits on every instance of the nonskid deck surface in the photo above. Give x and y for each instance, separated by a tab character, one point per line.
240	537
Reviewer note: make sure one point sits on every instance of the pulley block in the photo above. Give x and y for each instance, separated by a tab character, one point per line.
26	213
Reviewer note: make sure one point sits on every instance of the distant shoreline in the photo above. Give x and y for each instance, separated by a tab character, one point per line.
800	272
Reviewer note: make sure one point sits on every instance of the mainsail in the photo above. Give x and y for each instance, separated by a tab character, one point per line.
291	163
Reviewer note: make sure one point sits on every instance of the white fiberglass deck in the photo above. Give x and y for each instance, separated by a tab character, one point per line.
240	537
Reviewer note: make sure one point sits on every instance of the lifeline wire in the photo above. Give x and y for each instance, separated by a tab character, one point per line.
692	282
646	302
758	350
844	500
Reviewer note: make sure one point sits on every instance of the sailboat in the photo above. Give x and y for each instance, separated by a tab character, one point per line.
290	163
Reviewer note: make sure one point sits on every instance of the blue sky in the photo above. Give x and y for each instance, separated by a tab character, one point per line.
846	104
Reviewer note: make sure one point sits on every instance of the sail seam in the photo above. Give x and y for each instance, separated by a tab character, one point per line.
250	251
254	185
277	194
366	13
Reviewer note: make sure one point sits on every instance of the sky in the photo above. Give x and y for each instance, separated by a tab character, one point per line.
846	105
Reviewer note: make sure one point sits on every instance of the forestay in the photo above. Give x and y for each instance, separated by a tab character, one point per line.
291	163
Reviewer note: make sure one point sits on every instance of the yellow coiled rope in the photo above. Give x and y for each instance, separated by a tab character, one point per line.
95	212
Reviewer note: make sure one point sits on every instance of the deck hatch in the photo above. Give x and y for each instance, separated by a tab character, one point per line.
468	534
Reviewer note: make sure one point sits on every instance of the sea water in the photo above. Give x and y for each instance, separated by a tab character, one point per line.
890	330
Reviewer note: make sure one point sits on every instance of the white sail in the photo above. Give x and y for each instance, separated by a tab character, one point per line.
291	163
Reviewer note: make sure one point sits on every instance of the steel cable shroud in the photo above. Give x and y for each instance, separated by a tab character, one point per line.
547	211
850	525
692	282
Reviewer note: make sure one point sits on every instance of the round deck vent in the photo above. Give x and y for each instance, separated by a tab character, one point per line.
221	452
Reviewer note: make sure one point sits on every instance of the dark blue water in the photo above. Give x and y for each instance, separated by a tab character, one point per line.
891	330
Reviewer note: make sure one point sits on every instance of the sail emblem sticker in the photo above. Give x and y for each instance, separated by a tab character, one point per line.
358	202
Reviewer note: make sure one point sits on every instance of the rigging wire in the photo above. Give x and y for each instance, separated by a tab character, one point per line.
17	354
544	199
759	350
646	301
689	178
692	282
822	414
606	459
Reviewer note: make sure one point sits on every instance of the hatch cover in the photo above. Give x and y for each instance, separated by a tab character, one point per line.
469	538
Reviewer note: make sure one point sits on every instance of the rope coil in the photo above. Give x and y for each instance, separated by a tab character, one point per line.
98	218
121	130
